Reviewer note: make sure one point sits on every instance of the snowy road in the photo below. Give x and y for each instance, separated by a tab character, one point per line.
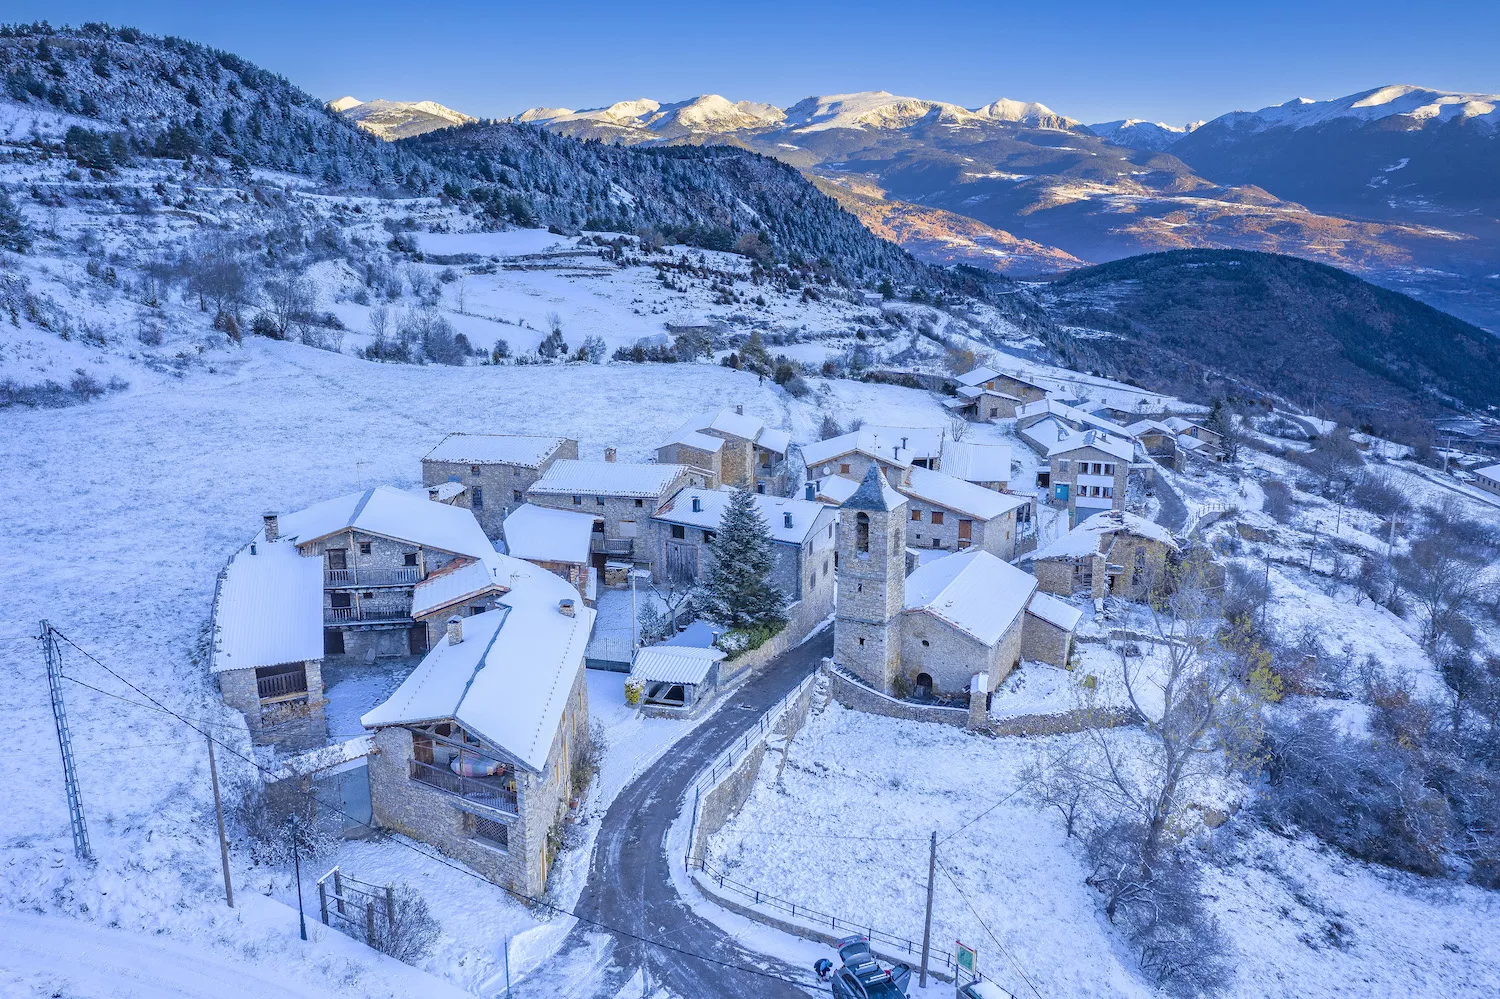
630	885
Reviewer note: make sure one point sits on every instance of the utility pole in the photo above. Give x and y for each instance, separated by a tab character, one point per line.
297	867
507	968
927	927
213	772
65	744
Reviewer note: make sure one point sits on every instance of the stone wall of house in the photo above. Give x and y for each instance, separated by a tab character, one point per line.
368	644
871	595
1144	561
1054	575
683	454
292	724
502	486
932	646
1072	471
623	516
436	622
1043	641
736	460
997	536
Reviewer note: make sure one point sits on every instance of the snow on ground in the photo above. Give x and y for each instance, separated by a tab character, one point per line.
850	775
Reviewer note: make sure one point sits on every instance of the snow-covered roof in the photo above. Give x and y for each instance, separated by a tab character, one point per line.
1489	471
955	494
1084	539
541	534
975	462
445	490
1141	427
713	502
1046	432
774	440
391	513
883	443
727	421
690	436
978	376
977	391
674	663
607	478
508	681
507	449
1069	414
1108	443
972	590
835	488
269	609
1054	611
462	580
921	442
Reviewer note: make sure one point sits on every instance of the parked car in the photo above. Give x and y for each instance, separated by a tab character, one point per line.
862	976
982	989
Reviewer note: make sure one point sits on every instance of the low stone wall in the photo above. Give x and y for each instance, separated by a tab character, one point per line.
1067	721
852	694
800	623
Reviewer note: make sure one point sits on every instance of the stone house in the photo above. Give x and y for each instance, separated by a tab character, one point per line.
738	450
802	542
950	514
1112	553
620	496
987	394
474	752
462	588
268	642
373	547
851	455
696	450
495	470
1158	440
954	618
556	540
1088	473
1043	423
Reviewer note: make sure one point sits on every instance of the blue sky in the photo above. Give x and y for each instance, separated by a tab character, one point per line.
1173	61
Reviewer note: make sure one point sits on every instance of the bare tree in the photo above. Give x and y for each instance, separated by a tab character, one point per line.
217	275
958	428
291	302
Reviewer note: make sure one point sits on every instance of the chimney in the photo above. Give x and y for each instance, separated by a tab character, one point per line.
565	608
455	630
812	491
697	505
432	494
609	454
273	526
786	519
252	548
903	442
739	409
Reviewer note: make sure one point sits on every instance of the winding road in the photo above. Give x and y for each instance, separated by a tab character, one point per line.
630	880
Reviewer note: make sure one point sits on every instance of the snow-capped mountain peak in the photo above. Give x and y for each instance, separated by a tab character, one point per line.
1419	104
1138	133
392	120
345	103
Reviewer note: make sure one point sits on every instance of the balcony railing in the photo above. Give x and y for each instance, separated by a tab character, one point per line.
367	612
400	576
492	792
612	546
281	685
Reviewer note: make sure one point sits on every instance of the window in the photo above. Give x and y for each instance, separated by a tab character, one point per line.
477	609
925	643
478	500
410	558
515	494
338	558
1062	464
1109	468
598	500
916	515
640	502
830	529
844	468
862	533
679	532
338	599
474	471
760	487
812	580
937	517
490	831
578	501
364	547
708	537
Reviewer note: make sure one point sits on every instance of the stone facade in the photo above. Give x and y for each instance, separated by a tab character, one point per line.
1043	641
933	648
494	489
800	571
625	520
871	592
436	621
447	821
293	721
1130	567
997	536
709	462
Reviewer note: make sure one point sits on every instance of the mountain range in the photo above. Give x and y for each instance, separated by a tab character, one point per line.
393	120
1398	183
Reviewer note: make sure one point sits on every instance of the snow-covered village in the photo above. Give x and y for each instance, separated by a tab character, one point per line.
461	556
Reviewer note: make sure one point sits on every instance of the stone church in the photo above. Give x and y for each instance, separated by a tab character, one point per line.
934	630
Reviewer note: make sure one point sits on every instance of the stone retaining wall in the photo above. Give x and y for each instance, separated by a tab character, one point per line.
852	694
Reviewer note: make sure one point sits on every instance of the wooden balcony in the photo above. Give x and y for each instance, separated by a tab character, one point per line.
612	546
491	792
399	576
278	686
367	611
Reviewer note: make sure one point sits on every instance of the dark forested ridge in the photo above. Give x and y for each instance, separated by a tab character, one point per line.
709	196
1214	322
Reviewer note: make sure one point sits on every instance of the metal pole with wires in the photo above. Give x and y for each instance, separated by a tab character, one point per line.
297	868
927	926
53	656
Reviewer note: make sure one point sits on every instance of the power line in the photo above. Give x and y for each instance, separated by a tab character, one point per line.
520	896
1003	949
1018	789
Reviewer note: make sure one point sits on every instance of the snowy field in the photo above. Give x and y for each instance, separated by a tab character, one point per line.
845	826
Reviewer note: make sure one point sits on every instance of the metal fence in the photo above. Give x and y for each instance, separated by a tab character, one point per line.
355	907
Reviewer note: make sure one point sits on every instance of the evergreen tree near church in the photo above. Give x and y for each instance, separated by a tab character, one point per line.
737	589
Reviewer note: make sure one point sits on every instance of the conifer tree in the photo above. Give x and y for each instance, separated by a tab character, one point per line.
737	589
